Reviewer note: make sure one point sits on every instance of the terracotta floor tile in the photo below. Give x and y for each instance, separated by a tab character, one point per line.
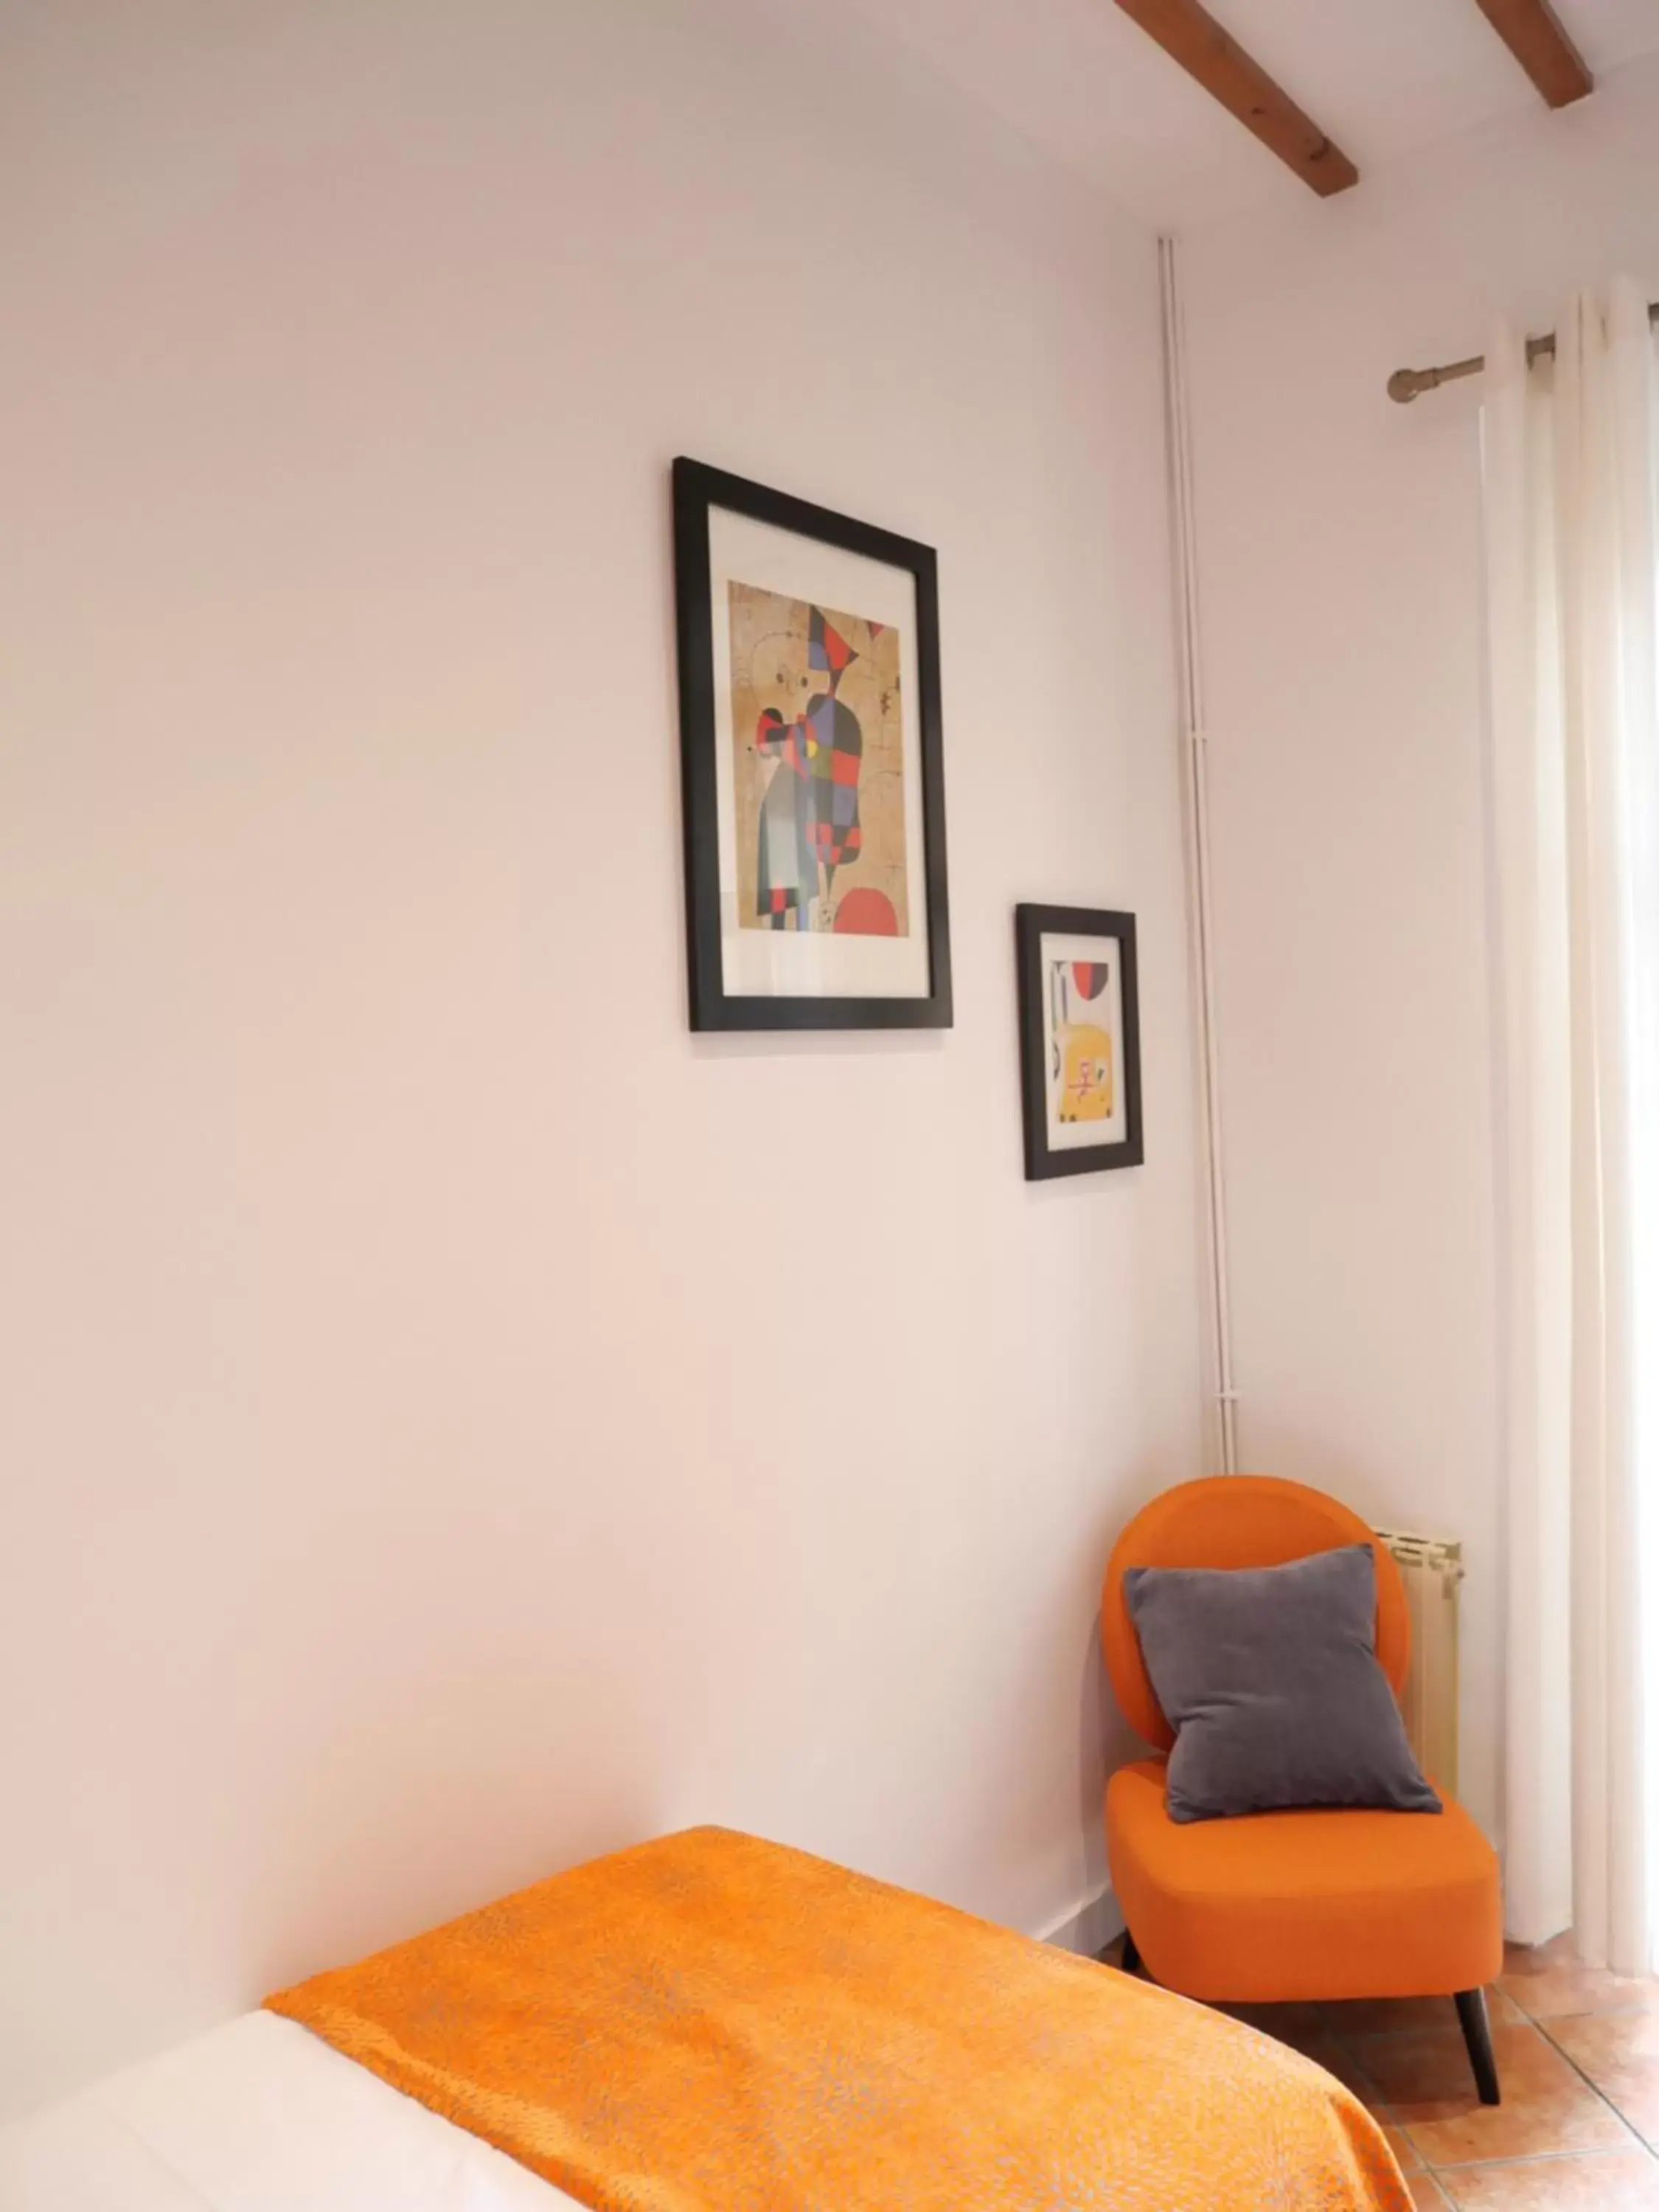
1324	2050
1408	2015
1559	1947
1287	2023
1608	2181
1336	2058
1549	1983
1424	2085
1433	2064
1404	2148
1426	2193
1619	2052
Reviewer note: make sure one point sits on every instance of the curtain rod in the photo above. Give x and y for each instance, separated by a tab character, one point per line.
1406	383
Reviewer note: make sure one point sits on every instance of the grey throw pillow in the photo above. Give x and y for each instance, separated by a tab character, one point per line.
1270	1679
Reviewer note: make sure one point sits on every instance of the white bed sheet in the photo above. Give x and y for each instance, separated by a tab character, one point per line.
256	2117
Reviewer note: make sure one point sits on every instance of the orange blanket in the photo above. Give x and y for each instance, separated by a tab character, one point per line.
713	2024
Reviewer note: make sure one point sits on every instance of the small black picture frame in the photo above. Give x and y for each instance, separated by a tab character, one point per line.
1079	1039
776	882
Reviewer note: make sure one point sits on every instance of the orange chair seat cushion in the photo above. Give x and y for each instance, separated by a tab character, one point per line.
1276	1907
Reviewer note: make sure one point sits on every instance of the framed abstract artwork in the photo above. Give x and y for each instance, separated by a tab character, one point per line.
814	788
1080	1020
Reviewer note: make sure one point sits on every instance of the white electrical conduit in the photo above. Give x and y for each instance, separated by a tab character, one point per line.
1200	900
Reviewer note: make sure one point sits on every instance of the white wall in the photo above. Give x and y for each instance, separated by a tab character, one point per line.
444	1433
1341	574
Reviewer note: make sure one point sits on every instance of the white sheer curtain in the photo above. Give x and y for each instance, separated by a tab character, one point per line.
1573	589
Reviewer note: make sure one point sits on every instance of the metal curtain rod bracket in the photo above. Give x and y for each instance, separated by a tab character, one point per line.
1406	384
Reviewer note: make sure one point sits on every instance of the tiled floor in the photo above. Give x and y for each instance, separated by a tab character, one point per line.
1578	2054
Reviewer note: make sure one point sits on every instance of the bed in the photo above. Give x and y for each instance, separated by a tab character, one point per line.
258	2116
710	2023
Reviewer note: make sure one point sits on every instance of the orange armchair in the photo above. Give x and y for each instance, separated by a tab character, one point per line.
1272	1907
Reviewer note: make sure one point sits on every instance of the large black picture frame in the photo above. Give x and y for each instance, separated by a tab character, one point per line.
1031	925
698	488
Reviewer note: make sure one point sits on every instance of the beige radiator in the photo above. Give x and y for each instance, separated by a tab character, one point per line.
1431	1568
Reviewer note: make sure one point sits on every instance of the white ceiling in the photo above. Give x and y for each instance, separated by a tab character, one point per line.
1382	77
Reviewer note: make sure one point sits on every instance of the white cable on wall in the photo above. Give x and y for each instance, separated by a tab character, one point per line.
1196	747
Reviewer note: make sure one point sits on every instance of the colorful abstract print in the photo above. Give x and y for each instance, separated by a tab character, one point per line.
810	816
820	778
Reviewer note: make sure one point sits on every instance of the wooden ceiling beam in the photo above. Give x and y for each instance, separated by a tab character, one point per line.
1191	35
1532	33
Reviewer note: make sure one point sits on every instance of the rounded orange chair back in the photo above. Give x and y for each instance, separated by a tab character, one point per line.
1236	1521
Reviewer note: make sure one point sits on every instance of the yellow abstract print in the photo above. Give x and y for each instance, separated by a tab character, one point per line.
1085	1081
1082	1049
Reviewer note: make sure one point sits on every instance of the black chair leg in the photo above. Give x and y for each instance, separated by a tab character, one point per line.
1477	2033
1130	1961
